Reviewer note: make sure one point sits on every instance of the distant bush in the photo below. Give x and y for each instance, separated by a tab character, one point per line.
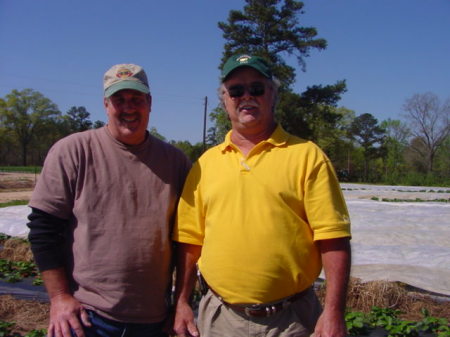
419	179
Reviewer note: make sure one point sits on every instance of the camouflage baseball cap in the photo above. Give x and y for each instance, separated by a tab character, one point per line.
243	60
125	76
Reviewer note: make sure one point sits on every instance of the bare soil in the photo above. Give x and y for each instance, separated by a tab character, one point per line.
16	186
27	315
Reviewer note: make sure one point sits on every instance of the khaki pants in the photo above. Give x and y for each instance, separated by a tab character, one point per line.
216	319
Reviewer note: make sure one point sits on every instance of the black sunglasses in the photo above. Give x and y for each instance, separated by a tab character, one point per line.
254	89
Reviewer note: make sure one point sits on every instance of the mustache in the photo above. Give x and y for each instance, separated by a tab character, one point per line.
252	104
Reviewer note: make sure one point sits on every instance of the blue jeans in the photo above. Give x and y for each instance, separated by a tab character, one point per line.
103	327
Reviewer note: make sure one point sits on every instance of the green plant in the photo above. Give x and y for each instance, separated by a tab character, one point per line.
445	332
402	328
6	331
356	323
25	268
13	271
4	237
383	317
38	280
434	325
360	324
6	328
37	333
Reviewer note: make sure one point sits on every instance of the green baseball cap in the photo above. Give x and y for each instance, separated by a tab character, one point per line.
243	60
125	76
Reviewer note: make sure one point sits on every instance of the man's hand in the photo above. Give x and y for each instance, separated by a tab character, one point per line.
66	314
184	325
187	256
330	324
336	257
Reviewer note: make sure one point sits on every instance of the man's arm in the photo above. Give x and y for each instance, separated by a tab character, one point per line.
65	310
46	239
336	260
186	256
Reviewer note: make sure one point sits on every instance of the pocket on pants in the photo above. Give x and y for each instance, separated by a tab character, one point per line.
307	310
208	310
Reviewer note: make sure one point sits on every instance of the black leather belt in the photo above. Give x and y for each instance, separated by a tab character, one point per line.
264	310
255	310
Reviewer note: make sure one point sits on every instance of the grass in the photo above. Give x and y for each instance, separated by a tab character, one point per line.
13	203
21	169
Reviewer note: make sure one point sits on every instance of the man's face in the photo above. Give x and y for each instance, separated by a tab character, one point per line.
128	114
249	100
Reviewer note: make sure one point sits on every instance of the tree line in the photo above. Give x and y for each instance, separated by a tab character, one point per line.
31	123
413	150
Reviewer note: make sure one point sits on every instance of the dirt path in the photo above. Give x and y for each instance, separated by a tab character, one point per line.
16	186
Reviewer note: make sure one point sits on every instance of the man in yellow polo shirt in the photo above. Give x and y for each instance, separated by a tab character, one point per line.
260	215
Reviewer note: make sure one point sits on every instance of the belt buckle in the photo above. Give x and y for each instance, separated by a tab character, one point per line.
268	310
248	310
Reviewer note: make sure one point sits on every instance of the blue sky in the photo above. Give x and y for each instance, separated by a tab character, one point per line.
386	50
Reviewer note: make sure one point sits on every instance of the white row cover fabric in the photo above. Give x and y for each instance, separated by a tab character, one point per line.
393	241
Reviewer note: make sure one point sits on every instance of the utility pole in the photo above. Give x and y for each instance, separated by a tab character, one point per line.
204	124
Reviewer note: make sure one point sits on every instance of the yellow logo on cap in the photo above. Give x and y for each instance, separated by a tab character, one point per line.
124	72
243	58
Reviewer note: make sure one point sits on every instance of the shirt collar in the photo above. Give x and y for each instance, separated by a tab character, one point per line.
278	138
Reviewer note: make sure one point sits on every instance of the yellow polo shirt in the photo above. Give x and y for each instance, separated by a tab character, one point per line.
257	217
